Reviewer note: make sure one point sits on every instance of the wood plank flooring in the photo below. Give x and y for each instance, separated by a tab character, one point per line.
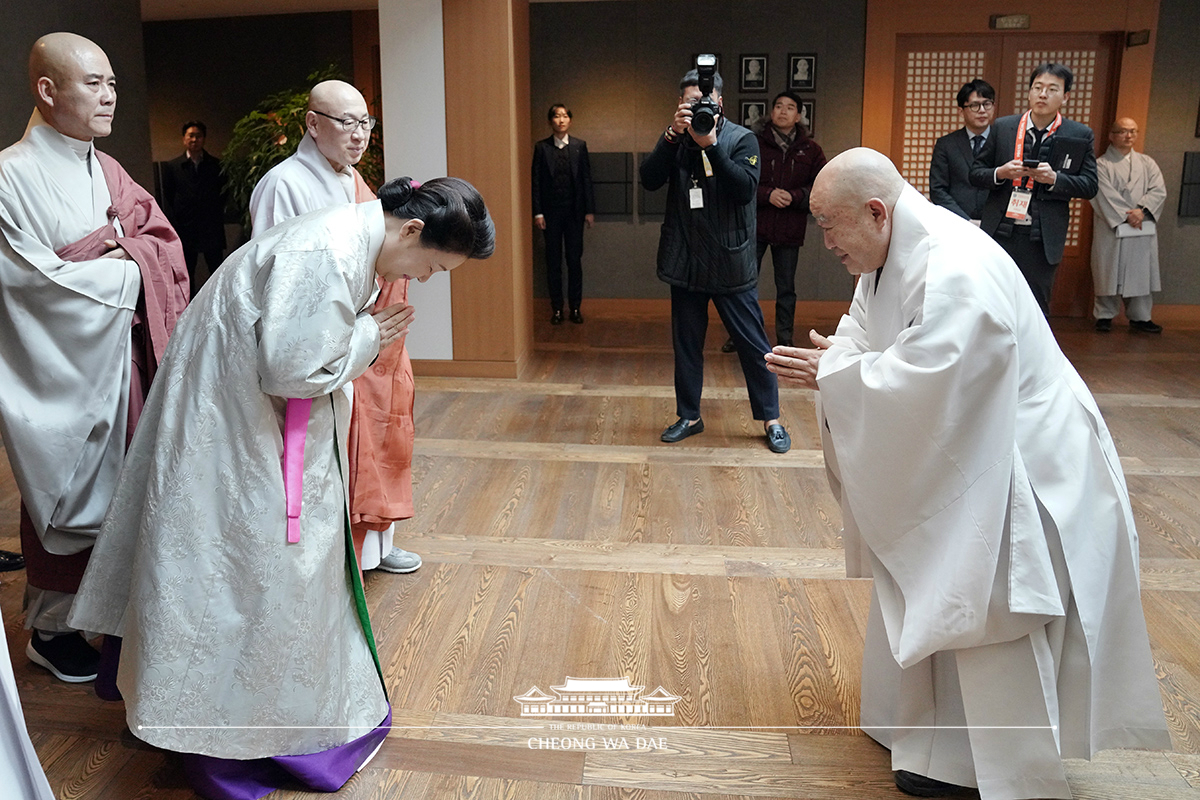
562	539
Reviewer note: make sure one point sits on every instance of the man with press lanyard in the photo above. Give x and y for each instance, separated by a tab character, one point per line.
1034	163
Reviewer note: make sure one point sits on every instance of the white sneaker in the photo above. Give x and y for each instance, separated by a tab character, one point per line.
400	561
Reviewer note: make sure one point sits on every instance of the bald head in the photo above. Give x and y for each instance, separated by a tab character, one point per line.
855	176
852	200
329	103
328	95
1123	134
73	85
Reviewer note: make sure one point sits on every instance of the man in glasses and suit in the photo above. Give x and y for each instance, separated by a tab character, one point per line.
319	174
1028	207
950	171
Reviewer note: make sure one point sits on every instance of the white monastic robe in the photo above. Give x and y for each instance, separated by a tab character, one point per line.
226	623
64	337
981	490
1128	266
302	183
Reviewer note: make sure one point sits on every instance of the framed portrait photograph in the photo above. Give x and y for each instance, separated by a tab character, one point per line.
752	112
807	108
802	72
754	72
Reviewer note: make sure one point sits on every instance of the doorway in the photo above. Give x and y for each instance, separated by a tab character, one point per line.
931	68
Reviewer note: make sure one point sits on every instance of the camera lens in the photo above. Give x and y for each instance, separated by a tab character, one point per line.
703	117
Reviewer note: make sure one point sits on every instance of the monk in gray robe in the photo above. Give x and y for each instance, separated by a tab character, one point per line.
1124	239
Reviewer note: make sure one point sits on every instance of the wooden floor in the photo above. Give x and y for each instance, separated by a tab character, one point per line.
562	539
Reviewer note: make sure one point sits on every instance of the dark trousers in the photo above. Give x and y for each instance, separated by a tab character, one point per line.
1031	260
744	320
564	230
783	259
212	260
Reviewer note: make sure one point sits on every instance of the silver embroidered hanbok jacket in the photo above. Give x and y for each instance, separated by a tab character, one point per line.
237	643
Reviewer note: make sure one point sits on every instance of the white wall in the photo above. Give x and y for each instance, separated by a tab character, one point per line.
414	140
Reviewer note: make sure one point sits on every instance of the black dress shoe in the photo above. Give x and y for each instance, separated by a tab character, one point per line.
920	786
68	656
576	317
557	317
681	430
1104	325
10	561
1145	326
778	439
729	346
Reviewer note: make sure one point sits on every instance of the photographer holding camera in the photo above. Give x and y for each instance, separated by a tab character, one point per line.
707	248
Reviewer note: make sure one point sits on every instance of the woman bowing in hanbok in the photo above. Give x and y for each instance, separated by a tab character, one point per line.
225	561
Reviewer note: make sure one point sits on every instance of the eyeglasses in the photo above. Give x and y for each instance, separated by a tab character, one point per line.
983	105
349	125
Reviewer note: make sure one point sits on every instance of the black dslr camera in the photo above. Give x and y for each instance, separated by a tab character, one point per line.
704	110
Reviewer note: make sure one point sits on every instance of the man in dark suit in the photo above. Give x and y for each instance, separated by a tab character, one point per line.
1029	206
950	170
563	202
193	195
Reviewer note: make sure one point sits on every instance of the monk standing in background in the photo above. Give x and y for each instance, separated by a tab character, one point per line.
319	174
92	280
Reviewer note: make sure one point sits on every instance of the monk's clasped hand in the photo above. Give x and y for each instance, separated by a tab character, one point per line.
798	365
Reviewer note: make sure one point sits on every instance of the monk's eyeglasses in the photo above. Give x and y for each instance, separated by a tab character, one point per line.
349	125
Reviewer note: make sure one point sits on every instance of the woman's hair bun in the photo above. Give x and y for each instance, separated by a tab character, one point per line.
396	193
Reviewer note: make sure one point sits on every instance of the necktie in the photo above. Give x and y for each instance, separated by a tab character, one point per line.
976	144
1036	150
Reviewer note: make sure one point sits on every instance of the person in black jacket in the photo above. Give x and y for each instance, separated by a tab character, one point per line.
193	195
950	168
706	252
1035	239
563	202
790	163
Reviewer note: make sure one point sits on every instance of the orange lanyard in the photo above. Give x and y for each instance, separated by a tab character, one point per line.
1019	147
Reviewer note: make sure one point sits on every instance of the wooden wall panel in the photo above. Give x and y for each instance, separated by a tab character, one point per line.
487	138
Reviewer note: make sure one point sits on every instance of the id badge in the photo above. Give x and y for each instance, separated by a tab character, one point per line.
696	197
1018	204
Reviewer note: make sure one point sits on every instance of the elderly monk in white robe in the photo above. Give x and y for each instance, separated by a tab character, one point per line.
92	279
1124	240
319	174
247	644
980	489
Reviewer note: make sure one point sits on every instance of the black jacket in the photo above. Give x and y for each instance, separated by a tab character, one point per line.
950	175
793	171
1050	204
544	153
194	201
709	249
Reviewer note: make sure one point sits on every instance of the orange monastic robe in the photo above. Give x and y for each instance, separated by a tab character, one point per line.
381	426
